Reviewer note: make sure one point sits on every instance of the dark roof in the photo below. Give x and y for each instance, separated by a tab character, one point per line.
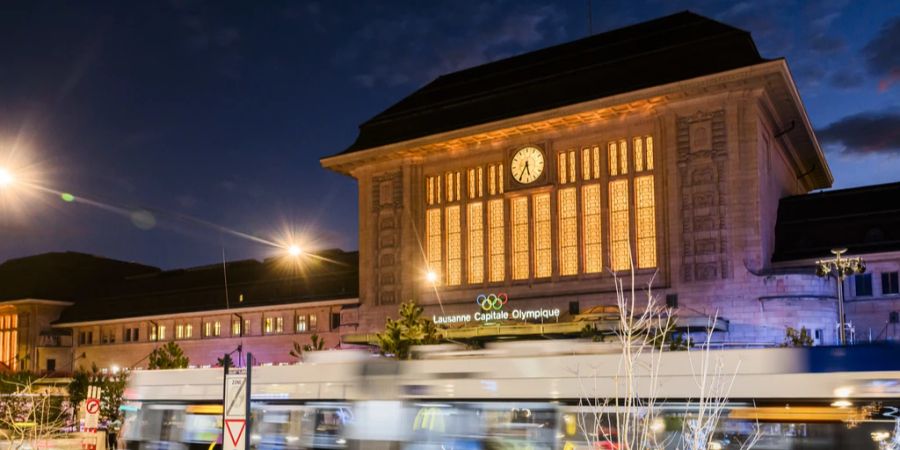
328	275
665	50
68	276
864	220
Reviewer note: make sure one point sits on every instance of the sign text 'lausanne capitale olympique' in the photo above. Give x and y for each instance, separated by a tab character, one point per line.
492	310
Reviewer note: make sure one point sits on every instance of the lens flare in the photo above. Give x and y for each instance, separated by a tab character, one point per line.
295	250
6	177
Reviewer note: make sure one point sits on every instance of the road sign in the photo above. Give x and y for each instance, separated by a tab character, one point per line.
92	407
235	412
235	430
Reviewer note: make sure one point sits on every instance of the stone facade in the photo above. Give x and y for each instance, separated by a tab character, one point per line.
111	344
723	164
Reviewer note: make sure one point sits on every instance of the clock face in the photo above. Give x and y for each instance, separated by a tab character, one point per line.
527	165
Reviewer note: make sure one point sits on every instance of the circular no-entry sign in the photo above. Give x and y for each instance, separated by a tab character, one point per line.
92	406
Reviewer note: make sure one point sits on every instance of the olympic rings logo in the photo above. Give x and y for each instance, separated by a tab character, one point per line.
491	301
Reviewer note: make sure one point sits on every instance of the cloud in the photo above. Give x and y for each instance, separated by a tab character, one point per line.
882	54
846	78
865	133
412	47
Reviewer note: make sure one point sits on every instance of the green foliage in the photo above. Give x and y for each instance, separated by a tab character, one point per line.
410	329
168	356
112	386
797	338
220	362
317	343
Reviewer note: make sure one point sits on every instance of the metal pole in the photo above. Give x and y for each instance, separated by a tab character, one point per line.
249	421
840	296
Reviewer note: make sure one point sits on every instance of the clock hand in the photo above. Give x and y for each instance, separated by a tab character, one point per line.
526	168
523	170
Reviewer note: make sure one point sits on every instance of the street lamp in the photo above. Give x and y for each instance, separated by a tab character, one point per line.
840	268
431	277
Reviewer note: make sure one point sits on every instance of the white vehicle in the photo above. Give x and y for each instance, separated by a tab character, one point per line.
522	398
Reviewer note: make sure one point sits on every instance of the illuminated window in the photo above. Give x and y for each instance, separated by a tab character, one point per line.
593	256
480	182
246	330
9	340
492	179
268	325
235	327
585	164
207	329
313	322
433	240
217	328
645	221
567	167
470	178
563	168
454	247
179	331
520	260
568	232
500	178
496	241
620	249
643	154
475	217
572	172
437	187
300	323
161	333
543	247
188	331
613	159
623	157
429	190
596	162
450	188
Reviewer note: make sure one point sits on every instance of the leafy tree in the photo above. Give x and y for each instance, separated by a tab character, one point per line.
112	387
317	343
168	356
797	338
225	359
408	330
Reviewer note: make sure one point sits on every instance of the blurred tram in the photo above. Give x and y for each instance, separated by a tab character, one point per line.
523	395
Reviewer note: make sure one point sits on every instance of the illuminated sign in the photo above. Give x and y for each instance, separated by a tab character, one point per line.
491	309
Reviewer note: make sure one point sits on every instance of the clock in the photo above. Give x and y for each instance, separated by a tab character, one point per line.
527	165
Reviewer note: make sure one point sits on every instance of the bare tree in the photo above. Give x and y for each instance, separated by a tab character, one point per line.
29	415
632	418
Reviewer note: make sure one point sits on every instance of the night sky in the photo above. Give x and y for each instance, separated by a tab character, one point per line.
160	115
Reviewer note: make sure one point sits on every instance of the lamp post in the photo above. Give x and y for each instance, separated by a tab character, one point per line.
840	268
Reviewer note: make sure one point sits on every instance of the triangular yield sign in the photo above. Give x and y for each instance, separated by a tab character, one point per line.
235	429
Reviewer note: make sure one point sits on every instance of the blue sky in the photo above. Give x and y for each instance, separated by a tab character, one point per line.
167	113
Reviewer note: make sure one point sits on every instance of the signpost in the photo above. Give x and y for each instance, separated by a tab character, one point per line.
236	408
91	417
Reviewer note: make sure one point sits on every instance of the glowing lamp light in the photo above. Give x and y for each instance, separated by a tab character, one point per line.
6	177
294	250
431	276
114	369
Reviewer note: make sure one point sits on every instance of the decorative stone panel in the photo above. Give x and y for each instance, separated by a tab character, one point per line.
387	193
702	177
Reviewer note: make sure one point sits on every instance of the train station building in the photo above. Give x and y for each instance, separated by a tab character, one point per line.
507	199
670	147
